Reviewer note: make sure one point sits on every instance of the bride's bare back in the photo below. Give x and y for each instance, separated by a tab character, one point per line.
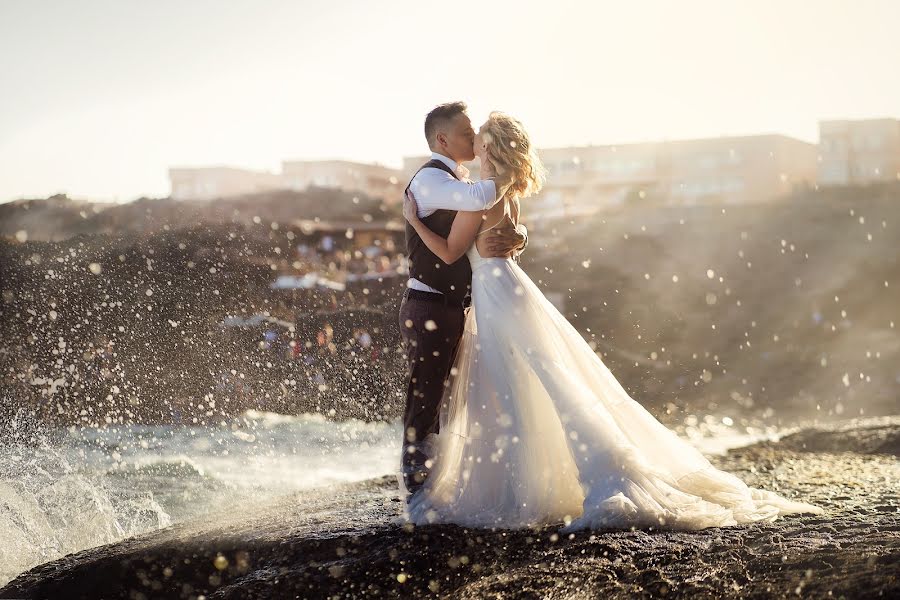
503	215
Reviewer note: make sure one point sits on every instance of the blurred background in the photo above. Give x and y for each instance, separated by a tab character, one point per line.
202	248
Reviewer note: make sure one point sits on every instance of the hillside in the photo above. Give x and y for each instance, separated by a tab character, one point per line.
769	312
792	307
58	218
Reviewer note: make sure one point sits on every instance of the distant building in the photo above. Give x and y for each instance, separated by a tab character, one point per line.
584	179
373	180
205	183
860	151
735	170
727	170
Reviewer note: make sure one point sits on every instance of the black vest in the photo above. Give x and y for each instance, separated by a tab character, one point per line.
453	280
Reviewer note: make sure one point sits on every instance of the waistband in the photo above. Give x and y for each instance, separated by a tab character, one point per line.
437	298
491	260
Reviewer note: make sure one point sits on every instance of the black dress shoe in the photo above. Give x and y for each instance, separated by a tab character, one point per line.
411	491
414	476
414	480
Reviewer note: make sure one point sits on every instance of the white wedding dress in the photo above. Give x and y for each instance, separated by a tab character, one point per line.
536	430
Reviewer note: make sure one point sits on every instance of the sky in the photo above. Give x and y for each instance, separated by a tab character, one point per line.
98	98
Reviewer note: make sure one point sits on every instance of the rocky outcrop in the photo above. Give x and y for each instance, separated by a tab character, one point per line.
342	542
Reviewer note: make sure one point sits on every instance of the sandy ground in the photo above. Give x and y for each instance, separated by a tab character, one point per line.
341	543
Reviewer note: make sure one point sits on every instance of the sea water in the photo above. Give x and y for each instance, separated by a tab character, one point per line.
75	488
72	489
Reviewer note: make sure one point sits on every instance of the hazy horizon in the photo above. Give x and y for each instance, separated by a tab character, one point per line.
106	96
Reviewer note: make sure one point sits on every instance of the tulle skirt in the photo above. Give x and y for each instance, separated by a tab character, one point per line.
535	430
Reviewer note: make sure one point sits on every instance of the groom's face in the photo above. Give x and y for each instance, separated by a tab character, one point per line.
459	138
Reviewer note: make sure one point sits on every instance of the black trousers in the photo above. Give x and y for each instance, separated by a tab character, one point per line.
431	334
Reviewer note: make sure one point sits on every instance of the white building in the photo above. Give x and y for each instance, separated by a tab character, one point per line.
206	183
373	180
861	151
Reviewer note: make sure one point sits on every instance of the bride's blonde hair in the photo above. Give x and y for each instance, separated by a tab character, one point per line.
509	148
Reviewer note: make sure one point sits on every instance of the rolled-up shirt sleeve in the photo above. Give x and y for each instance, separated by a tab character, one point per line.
435	189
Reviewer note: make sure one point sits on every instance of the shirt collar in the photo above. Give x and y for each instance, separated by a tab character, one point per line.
456	167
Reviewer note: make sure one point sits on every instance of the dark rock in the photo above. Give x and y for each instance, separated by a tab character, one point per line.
341	542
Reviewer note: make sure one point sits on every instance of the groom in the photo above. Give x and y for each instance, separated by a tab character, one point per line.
431	313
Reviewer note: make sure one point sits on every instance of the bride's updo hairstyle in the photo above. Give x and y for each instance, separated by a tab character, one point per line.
510	149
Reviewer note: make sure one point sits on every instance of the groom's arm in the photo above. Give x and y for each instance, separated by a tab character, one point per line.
435	189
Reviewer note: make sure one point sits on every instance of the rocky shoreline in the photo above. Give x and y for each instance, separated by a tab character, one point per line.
343	542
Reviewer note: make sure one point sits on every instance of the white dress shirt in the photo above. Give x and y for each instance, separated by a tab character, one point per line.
435	189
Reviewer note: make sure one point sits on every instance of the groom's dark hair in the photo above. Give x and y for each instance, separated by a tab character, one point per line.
439	115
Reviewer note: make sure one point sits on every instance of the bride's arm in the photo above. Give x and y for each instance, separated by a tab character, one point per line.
462	233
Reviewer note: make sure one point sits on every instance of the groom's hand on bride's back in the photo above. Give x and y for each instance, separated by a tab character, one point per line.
506	240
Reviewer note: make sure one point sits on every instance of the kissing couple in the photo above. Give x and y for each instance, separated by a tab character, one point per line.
511	419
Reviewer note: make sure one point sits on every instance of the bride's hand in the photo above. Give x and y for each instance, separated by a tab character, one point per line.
410	208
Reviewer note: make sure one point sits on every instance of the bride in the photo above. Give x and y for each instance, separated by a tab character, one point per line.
534	428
